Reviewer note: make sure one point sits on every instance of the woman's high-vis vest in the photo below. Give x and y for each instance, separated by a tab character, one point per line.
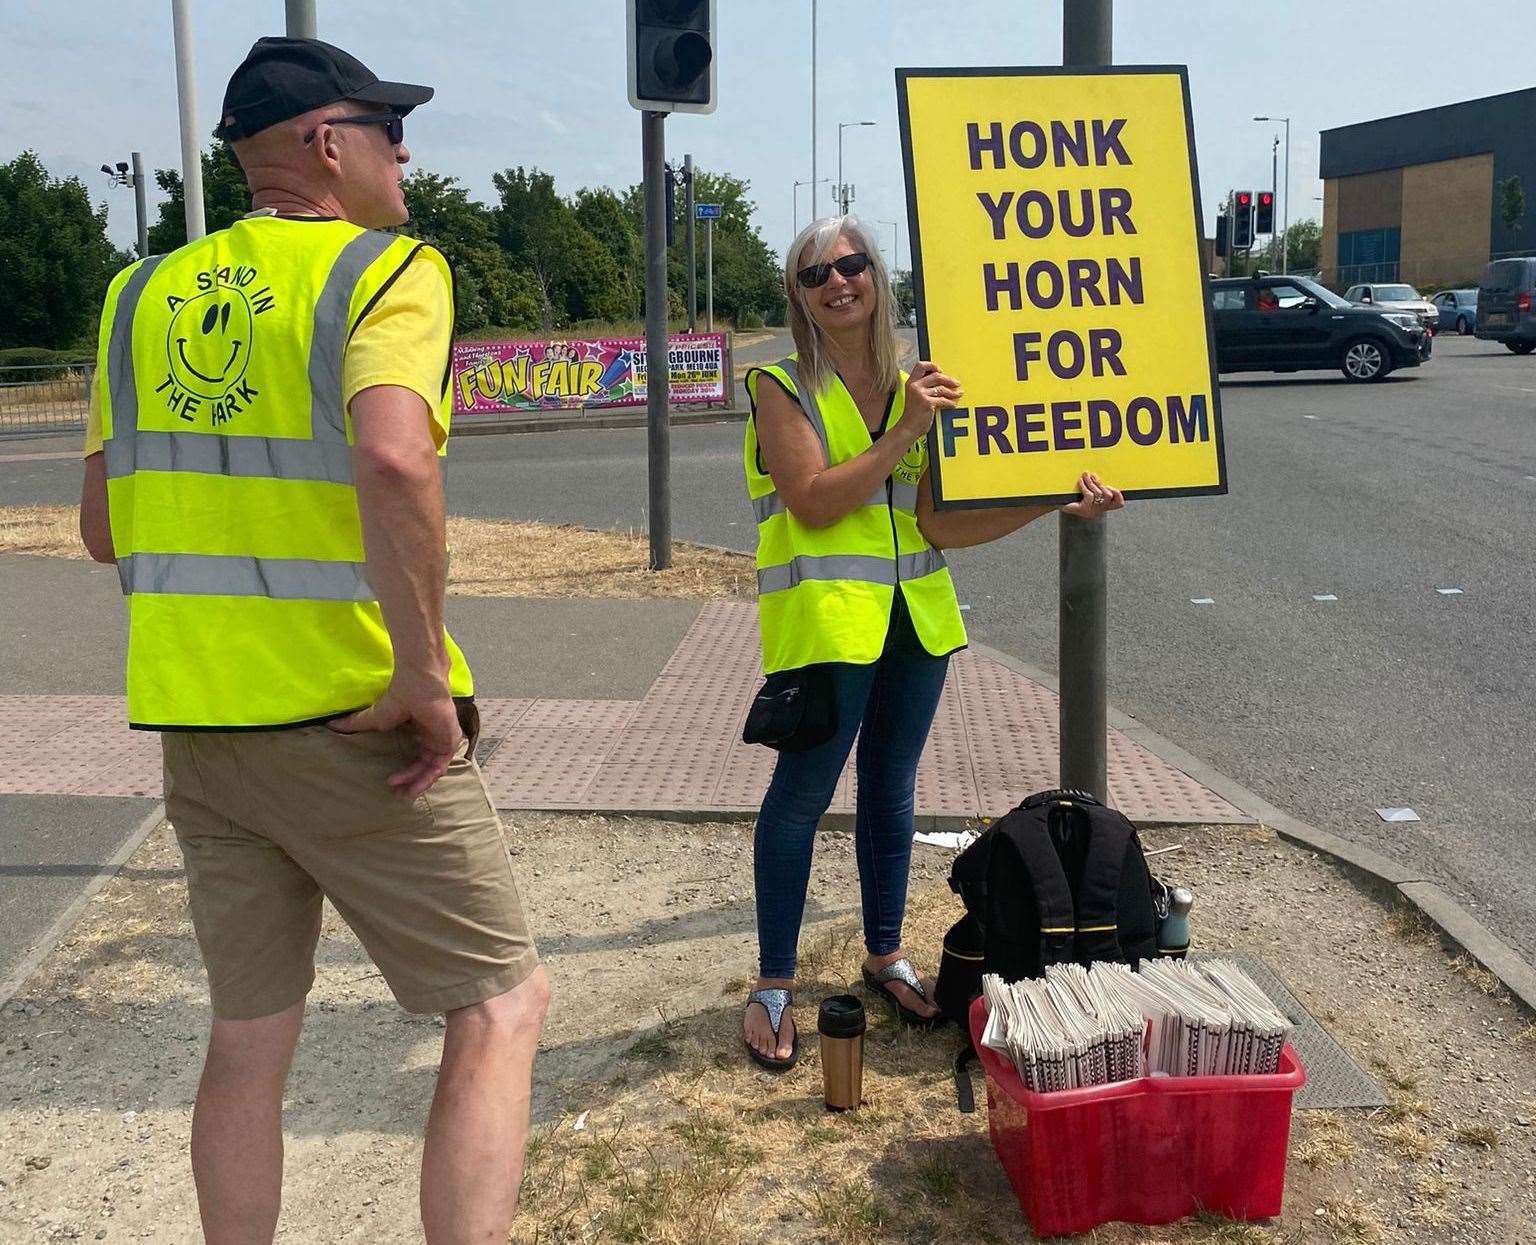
825	593
229	475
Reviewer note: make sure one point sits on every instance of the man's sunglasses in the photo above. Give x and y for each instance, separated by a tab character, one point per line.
847	265
393	123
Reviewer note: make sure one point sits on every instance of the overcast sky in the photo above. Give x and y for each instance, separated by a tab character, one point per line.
543	83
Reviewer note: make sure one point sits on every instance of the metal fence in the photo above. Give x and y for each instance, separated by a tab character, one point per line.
49	398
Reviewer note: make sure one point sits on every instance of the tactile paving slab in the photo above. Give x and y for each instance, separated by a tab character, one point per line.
678	749
1334	1079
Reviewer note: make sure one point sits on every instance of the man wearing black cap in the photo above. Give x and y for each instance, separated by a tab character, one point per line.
261	465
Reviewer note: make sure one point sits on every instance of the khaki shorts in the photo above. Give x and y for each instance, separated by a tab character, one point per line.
271	821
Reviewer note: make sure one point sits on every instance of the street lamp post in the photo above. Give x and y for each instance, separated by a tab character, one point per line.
813	111
797	203
1285	211
842	186
895	244
121	176
186	109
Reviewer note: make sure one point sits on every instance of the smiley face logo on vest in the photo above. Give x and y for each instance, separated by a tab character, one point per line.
910	469
209	343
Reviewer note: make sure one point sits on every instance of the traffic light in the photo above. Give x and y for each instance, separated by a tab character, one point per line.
1221	235
1242	220
672	55
1264	215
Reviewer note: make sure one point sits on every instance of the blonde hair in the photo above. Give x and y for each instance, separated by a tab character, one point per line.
812	246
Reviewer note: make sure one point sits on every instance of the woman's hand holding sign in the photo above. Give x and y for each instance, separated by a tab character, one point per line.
1097	499
928	390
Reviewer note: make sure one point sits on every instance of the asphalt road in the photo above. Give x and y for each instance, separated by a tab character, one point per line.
1392	695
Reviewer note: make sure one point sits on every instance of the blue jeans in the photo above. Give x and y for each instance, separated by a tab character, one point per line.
890	705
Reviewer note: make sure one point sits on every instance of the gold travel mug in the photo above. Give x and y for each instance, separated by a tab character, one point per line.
840	1022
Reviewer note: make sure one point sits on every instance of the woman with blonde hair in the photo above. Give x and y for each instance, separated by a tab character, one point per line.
853	589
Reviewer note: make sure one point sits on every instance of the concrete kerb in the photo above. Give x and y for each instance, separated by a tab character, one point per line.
66	919
576	423
1387	879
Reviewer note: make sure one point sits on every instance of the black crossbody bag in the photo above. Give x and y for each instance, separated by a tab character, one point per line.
794	710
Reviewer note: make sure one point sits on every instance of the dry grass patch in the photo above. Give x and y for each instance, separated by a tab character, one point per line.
1472	971
1477	1136
491	558
50	530
1408	925
1324	1141
1351	1220
1406	1139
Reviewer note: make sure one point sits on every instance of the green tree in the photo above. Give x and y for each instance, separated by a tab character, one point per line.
904	292
747	277
55	256
1512	206
576	276
1304	246
488	291
226	198
602	214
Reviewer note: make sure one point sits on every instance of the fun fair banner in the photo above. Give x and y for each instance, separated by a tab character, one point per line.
519	377
1055	227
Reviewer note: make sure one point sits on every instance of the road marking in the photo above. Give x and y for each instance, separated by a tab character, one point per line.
1309	416
1324	596
1397	814
1449	592
1202	600
1515	388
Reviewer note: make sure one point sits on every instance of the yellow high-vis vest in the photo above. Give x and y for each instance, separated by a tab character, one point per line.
825	593
229	475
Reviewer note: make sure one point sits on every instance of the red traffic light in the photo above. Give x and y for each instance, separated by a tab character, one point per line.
1265	198
1243	198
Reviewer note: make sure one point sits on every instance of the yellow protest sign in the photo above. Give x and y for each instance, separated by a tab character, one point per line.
1055	225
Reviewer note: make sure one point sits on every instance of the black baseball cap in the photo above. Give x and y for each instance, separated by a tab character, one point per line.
282	78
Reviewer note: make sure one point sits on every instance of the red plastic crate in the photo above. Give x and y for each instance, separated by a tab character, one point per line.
1146	1151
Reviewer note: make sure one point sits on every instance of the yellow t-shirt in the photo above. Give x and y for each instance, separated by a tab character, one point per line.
403	340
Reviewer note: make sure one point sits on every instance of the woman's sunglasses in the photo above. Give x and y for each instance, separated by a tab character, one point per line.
846	265
393	123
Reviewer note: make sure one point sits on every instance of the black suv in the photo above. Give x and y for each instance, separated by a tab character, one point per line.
1284	324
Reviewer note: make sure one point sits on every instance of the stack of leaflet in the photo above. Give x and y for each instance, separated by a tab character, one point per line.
1064	1031
1092	1026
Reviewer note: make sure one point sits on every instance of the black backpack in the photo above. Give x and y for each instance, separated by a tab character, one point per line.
1061	878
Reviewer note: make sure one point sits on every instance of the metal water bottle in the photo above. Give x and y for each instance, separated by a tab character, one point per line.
1173	927
840	1022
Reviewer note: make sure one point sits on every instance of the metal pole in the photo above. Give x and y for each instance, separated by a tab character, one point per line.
709	275
139	210
186	104
693	262
813	109
1274	193
1285	218
301	19
659	432
840	194
1083	616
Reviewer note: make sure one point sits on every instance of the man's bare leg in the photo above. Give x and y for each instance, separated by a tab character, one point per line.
478	1129
237	1127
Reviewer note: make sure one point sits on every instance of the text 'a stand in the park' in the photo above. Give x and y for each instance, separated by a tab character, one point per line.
1056	231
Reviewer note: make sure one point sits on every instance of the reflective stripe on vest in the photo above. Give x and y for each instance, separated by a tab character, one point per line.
856	566
217	575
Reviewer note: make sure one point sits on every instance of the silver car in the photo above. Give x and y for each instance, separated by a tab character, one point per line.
1395	297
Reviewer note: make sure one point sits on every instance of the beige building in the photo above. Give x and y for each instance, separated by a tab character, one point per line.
1416	197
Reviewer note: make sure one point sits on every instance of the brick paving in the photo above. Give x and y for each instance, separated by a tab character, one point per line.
676	750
